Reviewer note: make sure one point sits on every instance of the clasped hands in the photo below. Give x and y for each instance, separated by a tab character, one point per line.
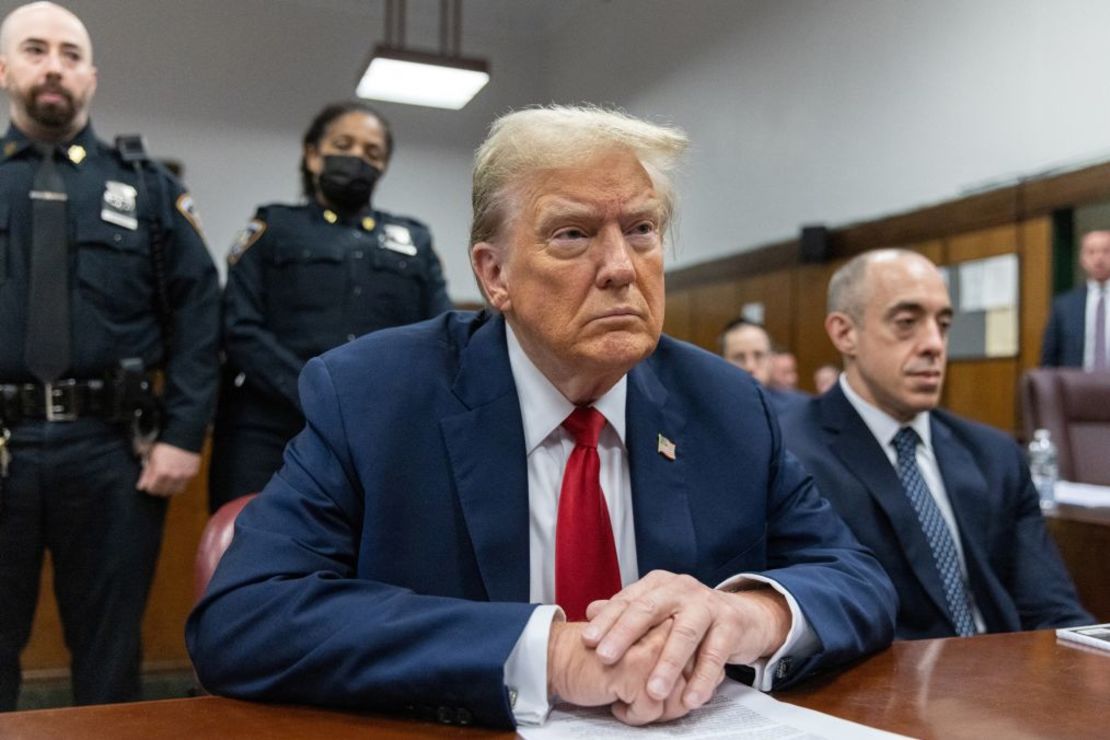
659	647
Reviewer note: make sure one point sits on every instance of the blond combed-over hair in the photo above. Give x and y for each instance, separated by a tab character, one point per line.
536	139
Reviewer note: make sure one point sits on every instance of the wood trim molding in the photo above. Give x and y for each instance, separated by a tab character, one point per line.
1036	196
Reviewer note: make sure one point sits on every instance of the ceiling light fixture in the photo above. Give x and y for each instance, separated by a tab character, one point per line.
399	75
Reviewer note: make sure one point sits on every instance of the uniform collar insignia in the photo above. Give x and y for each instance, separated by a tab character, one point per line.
76	153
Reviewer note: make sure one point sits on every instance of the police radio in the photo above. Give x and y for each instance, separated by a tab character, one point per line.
131	148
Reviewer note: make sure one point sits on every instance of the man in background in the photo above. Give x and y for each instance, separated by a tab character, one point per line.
784	370
747	345
1078	330
825	377
946	504
104	279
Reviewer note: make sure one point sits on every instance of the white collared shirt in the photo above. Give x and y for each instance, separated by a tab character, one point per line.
884	427
1094	288
543	409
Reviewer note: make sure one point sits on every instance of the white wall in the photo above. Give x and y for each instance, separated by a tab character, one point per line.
820	111
799	110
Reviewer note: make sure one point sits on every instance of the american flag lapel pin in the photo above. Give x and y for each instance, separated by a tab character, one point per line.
666	448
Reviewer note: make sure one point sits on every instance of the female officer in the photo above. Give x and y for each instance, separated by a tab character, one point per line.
305	278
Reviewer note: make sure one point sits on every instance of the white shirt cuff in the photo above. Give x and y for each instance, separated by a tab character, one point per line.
526	667
801	641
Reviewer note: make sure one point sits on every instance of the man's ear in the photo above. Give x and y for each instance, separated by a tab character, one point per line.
487	261
842	331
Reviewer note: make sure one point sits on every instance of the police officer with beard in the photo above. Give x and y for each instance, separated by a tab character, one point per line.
104	278
303	279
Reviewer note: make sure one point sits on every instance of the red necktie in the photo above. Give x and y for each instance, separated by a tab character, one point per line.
586	566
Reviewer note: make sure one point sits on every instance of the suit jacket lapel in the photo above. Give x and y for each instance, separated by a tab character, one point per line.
485	445
661	510
856	447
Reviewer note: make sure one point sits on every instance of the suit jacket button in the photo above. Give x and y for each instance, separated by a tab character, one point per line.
783	669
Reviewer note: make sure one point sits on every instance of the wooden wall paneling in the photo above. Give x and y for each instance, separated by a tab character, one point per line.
983	389
677	319
933	249
171	595
809	341
775	290
711	307
981	243
1036	260
1036	287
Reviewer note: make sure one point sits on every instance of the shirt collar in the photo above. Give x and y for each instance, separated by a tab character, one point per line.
543	408
85	138
1095	287
882	425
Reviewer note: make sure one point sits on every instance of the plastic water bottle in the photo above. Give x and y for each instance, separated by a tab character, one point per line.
1043	468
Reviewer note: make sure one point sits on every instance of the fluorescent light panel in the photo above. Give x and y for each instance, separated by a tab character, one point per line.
422	79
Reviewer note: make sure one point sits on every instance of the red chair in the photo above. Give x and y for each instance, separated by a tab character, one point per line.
214	541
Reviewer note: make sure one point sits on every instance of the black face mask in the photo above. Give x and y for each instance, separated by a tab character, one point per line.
347	182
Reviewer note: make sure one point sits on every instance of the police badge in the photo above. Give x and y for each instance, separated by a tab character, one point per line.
119	205
397	238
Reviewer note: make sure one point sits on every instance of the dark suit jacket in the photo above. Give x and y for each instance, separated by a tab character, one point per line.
386	565
783	401
1065	332
1015	572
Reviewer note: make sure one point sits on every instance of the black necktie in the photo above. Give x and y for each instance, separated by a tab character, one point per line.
47	345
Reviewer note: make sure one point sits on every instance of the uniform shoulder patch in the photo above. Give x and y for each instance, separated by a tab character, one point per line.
246	239
187	208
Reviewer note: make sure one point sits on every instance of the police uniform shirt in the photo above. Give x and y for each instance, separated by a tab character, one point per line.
303	279
113	293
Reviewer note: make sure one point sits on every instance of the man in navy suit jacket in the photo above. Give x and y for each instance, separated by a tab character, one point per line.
1069	334
407	556
889	314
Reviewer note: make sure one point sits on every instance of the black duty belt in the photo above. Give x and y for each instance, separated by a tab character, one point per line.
62	400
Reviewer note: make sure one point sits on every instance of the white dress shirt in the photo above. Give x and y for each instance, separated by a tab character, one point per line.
884	427
543	409
1094	288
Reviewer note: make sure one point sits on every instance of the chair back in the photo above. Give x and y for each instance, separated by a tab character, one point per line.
214	541
1074	406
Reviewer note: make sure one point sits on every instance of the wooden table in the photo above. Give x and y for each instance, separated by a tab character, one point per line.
1022	685
1083	536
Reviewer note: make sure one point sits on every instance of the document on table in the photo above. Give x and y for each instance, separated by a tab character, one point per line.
737	711
1082	494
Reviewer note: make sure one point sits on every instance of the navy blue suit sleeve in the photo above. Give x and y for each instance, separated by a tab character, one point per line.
288	617
840	587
